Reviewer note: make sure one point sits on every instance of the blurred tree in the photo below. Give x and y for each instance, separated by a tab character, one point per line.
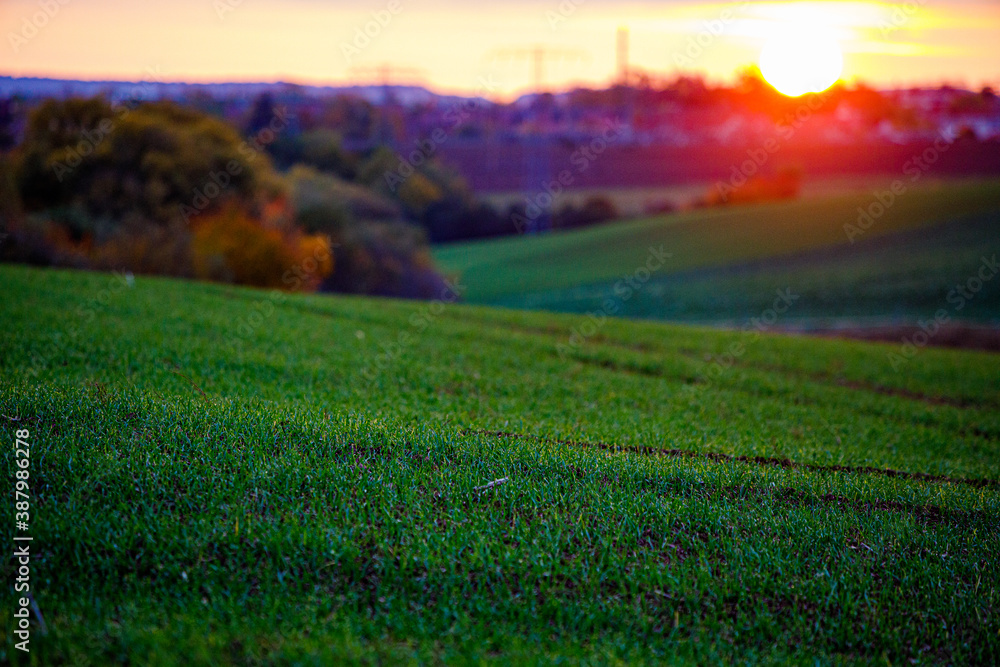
7	108
10	199
261	115
327	204
229	246
354	118
595	210
384	258
141	166
321	148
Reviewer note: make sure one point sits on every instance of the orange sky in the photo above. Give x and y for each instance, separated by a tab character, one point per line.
456	46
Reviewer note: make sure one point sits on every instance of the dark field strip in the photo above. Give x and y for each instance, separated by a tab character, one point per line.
760	460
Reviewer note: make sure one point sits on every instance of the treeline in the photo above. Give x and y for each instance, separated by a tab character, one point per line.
333	140
167	189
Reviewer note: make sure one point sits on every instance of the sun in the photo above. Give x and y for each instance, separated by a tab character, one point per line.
801	59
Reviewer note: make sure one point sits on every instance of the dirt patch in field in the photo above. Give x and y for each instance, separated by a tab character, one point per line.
822	378
904	393
960	336
760	460
930	514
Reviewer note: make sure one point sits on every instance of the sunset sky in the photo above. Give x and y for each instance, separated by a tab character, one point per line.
454	46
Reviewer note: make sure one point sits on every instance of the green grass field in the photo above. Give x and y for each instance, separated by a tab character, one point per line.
727	263
900	277
211	486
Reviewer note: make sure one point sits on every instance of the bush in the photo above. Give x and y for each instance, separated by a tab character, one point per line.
416	191
10	198
154	250
232	247
36	240
434	196
786	184
328	204
384	259
376	252
320	149
595	210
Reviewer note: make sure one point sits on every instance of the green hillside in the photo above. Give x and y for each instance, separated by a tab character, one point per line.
726	263
902	276
302	486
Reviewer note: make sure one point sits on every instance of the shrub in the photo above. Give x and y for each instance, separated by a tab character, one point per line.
10	198
36	240
786	184
232	247
153	250
327	204
384	259
320	149
595	210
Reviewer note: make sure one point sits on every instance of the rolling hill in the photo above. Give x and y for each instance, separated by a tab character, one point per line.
231	476
726	264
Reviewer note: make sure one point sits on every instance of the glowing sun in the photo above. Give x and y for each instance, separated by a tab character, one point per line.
801	60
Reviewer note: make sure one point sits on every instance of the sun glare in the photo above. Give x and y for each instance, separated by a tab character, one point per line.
801	59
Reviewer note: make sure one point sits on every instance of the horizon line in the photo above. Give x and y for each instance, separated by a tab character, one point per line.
444	91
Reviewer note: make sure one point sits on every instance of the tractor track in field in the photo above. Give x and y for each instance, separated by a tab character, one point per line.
759	460
697	376
933	401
